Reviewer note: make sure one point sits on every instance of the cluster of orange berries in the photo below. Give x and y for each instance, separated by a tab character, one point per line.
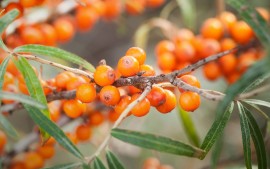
154	163
217	34
63	28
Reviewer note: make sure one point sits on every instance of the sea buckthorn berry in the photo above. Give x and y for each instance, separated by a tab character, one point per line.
112	9
147	70
211	71
128	66
46	151
184	51
227	44
62	79
134	7
3	140
227	19
189	101
167	62
151	163
209	47
142	108
72	137
228	63
33	160
245	60
49	34
14	5
23	88
233	77
86	93
113	115
123	103
104	75
169	104
86	17
154	3
83	132
31	35
183	35
96	118
64	29
164	46
246	32
264	13
109	95
132	90
212	28
138	53
8	78
157	96
75	82
55	109
30	3
191	80
72	108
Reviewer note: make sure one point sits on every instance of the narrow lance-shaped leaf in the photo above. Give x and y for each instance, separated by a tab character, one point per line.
189	127
216	129
245	135
258	141
98	164
217	149
258	109
47	125
3	68
257	102
34	87
113	162
253	18
65	166
7	19
159	143
55	53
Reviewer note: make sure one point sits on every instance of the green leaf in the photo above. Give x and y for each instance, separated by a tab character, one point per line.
188	12
159	143
66	166
253	18
50	127
112	161
21	98
98	164
216	129
189	127
257	102
262	113
257	82
3	46
3	68
245	135
7	19
56	53
34	87
8	127
258	141
85	166
216	153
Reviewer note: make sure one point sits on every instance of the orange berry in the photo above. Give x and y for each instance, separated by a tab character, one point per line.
154	3
212	28
86	17
164	46
189	101
209	47
128	66
242	32
183	35
264	13
50	142
72	108
31	35
8	78
3	140
169	104
33	160
104	75
72	137
228	63
133	90
122	105
96	118
134	7
227	19
46	151
9	88
142	108
112	9
227	44
14	5
137	53
157	96
167	62
113	115
233	77
64	29
184	51
17	165
55	109
61	80
49	34
151	162
211	71
191	80
75	82
83	132
147	70
245	60
109	95
86	93
23	88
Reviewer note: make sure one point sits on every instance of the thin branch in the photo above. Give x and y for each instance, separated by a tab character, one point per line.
254	92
